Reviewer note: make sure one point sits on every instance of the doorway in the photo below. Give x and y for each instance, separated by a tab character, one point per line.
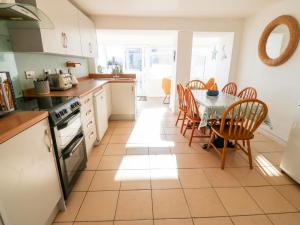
148	54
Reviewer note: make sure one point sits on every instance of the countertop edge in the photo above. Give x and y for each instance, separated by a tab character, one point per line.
17	122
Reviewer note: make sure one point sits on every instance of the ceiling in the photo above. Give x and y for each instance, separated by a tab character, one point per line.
173	8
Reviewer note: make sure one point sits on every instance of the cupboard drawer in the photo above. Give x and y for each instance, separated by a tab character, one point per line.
87	115
90	139
88	126
86	102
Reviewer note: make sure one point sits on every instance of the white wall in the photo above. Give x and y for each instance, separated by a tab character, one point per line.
277	86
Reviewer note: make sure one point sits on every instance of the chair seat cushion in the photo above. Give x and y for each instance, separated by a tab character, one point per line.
241	134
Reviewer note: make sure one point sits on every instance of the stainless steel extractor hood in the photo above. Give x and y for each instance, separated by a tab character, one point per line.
20	15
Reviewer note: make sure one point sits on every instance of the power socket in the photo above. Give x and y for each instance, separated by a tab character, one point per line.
29	74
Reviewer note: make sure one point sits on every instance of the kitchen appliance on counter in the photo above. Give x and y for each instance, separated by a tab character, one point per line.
7	95
67	134
291	157
60	81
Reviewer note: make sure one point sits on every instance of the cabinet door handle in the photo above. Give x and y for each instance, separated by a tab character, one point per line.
91	135
86	101
48	142
88	112
67	40
89	124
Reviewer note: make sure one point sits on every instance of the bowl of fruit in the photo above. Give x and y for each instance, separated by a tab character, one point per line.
213	91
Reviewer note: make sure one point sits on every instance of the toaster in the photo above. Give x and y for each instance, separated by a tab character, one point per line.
60	82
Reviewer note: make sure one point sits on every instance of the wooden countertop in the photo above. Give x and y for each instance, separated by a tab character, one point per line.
16	122
84	87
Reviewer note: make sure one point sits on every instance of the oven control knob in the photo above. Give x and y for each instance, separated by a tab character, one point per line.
65	111
61	113
57	115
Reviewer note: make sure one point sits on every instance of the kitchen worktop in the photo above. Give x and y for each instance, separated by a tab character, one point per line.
85	86
16	122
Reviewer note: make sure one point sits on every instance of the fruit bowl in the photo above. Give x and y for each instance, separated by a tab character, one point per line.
212	93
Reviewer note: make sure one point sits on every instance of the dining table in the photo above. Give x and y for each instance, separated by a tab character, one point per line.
213	107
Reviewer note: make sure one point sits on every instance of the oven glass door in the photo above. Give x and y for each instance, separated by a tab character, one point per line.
74	156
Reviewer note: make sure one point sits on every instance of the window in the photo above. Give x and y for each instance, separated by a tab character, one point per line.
133	59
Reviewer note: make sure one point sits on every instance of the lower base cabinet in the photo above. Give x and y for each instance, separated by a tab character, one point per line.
29	182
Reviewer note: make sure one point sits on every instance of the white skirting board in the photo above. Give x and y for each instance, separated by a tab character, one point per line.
265	131
122	117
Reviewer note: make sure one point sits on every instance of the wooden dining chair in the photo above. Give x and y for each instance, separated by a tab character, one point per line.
248	93
196	85
239	122
192	116
230	88
182	108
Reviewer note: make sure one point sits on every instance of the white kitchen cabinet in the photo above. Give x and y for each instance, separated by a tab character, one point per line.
30	189
88	37
123	99
73	33
107	89
66	32
100	107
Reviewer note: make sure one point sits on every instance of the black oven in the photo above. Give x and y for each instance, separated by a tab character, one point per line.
70	150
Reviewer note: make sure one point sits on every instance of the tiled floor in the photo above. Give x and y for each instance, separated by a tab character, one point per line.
144	173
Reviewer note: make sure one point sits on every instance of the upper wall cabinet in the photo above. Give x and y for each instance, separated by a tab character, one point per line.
67	36
88	36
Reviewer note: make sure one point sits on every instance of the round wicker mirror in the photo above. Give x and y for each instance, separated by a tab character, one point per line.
279	40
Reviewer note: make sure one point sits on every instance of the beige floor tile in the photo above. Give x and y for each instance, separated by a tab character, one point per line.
105	180
94	223
97	151
234	159
169	204
274	176
73	204
159	150
213	221
291	193
119	139
93	162
134	179
221	178
115	149
134	205
273	157
134	222
204	203
176	138
122	130
110	162
163	161
105	139
98	206
266	146
261	137
173	130
164	179
84	181
62	223
184	148
193	178
110	130
270	200
174	222
238	202
251	220
134	162
188	161
285	219
247	176
136	150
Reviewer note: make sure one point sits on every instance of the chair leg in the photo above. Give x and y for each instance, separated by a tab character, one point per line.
244	143
182	124
249	154
224	153
186	126
178	117
192	134
211	139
